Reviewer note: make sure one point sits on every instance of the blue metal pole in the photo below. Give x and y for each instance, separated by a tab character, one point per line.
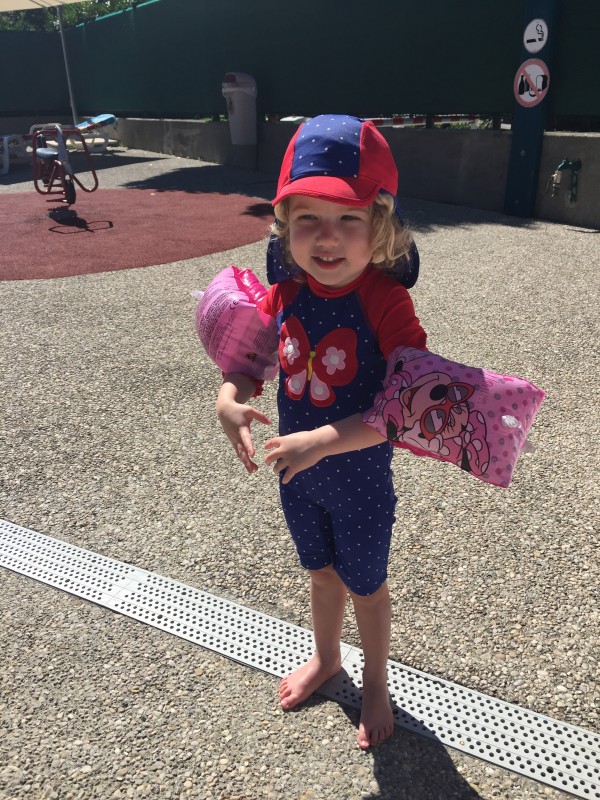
531	85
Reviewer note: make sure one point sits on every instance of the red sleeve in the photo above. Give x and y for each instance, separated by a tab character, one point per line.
278	296
391	314
272	303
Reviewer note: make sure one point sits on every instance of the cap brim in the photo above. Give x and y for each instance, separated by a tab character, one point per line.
345	191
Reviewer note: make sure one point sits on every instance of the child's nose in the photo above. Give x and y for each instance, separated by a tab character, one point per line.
327	231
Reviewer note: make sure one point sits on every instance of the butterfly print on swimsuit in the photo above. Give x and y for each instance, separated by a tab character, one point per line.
331	363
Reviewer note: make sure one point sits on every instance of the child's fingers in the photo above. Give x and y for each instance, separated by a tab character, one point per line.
289	474
249	465
247	443
246	436
259	416
236	424
272	445
245	458
281	467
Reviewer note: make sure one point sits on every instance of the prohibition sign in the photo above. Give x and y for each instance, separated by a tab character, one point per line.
535	36
531	82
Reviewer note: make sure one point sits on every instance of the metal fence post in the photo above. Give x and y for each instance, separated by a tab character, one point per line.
531	86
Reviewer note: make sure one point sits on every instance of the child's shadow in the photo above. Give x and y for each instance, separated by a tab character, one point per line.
408	766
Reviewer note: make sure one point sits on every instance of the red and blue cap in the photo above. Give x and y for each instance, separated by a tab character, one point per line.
344	160
337	158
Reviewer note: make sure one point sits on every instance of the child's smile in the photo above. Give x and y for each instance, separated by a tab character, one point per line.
327	263
329	241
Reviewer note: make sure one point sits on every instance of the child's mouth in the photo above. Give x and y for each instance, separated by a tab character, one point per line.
327	262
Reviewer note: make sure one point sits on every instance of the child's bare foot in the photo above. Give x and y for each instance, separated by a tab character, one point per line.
301	683
376	717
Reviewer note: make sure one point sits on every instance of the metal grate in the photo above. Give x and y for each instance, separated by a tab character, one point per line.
545	749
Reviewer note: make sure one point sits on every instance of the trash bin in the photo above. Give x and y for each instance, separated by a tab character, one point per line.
239	90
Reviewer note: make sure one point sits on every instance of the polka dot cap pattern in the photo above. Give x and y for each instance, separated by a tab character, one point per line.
328	146
340	158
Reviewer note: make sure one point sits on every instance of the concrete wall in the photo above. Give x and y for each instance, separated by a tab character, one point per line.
585	211
462	167
208	141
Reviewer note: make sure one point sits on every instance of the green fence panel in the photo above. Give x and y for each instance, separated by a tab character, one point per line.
169	57
575	77
106	64
33	74
390	57
173	40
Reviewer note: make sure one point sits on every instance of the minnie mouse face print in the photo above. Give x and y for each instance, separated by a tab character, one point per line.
464	415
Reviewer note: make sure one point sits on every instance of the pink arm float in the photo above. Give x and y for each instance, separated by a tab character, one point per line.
470	417
235	333
467	416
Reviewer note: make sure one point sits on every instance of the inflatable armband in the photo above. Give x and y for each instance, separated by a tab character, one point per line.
235	333
471	417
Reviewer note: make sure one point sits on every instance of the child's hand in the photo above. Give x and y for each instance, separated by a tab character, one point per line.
236	419
293	453
301	450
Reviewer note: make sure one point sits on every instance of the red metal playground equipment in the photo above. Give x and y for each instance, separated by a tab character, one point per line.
53	173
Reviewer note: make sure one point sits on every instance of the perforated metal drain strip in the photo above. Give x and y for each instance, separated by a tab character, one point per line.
549	751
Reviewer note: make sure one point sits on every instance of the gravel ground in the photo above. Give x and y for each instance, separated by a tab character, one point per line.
109	441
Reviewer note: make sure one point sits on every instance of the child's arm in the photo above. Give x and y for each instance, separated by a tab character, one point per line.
298	451
236	416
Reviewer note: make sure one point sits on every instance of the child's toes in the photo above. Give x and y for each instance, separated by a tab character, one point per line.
364	741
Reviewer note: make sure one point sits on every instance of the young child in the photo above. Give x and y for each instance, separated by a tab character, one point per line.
340	316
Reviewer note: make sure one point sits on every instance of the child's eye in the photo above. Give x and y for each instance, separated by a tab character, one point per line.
351	218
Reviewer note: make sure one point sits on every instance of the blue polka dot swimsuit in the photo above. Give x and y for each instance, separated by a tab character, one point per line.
341	510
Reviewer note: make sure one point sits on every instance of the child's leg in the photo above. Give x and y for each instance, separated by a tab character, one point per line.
327	603
373	617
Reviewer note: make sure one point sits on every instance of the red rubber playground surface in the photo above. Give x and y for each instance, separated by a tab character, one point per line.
117	229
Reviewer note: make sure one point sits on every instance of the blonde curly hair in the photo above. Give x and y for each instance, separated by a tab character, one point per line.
390	238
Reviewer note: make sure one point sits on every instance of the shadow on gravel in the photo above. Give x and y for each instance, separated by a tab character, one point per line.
113	158
23	172
424	215
200	179
421	215
409	766
210	179
19	173
413	767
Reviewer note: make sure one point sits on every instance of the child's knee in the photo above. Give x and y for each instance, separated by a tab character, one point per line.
379	596
325	575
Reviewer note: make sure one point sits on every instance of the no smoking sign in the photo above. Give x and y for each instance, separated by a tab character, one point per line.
531	82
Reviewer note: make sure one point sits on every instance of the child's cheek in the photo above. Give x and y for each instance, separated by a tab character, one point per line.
299	239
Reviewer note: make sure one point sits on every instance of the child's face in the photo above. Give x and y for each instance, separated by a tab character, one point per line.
331	242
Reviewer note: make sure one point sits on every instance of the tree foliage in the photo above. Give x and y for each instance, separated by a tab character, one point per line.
45	19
